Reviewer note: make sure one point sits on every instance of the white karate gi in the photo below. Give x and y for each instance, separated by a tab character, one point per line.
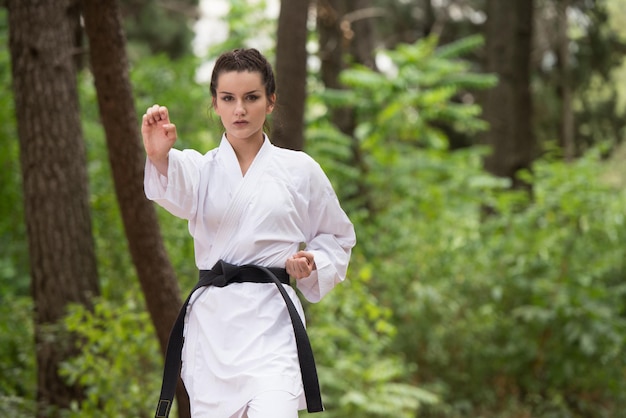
238	339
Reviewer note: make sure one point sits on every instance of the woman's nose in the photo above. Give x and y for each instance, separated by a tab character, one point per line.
240	109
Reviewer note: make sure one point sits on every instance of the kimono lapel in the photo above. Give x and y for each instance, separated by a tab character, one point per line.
240	198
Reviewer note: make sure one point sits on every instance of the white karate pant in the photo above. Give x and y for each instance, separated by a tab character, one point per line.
270	404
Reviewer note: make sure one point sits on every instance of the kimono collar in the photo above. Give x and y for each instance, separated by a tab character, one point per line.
226	153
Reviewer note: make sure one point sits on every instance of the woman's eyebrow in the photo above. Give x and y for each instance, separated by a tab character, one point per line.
249	92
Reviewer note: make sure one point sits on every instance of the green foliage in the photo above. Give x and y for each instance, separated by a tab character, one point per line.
517	310
17	351
351	335
398	151
16	407
14	259
411	106
418	98
157	27
119	359
248	26
530	305
174	84
596	54
405	110
17	358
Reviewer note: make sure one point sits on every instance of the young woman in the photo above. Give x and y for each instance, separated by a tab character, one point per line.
258	214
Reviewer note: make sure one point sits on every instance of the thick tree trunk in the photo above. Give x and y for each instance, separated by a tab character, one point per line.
291	74
109	65
56	196
507	107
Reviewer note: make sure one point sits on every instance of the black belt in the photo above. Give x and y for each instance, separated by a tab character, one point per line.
221	275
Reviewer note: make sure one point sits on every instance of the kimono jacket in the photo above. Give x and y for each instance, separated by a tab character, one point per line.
238	339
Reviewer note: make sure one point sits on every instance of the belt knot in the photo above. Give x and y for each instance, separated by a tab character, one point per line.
224	273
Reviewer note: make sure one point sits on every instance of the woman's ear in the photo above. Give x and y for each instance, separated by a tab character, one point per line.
271	102
214	103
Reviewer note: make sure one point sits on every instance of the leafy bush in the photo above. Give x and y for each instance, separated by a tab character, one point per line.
119	363
511	311
17	358
351	335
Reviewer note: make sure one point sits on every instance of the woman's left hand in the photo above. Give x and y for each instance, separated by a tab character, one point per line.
300	265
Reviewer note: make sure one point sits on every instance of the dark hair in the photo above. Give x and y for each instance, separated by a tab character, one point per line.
244	59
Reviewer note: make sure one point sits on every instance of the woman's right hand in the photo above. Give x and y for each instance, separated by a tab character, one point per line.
159	135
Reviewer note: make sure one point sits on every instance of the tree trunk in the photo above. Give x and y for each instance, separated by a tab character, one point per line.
109	65
55	183
360	31
346	30
332	45
507	107
346	33
291	74
565	88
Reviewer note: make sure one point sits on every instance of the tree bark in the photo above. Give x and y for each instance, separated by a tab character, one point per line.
346	33
331	43
291	74
565	88
360	31
55	184
109	65
507	107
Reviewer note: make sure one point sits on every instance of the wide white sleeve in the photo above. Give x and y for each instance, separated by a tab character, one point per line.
178	191
331	238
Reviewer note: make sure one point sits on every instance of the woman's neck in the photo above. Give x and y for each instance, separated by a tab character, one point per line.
246	151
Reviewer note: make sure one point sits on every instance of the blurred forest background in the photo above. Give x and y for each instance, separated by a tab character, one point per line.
477	145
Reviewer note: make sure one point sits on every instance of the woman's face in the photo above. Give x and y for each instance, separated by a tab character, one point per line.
242	105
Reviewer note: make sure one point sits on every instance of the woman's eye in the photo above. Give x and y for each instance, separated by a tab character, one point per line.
252	97
227	98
